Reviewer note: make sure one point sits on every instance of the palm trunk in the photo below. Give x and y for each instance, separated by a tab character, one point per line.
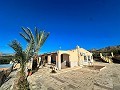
21	81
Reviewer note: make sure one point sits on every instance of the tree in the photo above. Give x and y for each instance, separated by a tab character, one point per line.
37	40
23	56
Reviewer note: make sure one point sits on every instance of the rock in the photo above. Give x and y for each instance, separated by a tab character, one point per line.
8	84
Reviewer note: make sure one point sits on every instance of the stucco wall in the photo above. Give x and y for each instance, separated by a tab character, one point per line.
73	58
73	55
73	63
76	60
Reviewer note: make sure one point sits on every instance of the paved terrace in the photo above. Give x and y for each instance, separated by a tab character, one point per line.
77	79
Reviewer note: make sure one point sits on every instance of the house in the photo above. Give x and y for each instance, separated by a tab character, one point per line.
68	58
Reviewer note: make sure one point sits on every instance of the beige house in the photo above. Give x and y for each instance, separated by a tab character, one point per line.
68	58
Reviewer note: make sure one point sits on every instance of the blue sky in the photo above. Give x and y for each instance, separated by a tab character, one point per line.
87	23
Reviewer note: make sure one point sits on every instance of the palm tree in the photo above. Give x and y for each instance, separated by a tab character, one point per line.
23	56
37	40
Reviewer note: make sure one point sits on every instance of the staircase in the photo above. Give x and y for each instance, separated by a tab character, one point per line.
107	58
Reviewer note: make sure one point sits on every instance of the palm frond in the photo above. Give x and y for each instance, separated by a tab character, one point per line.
42	39
26	32
36	35
16	46
36	41
30	34
25	37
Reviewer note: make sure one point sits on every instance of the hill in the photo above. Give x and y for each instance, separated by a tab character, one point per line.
107	50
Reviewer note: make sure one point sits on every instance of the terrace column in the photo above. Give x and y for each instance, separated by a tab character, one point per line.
70	61
58	61
87	59
92	60
49	59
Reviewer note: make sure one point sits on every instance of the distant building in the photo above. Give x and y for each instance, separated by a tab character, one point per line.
68	58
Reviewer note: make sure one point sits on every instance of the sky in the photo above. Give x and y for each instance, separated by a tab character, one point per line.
87	23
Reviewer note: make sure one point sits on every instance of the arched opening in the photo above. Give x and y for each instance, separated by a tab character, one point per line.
53	59
65	63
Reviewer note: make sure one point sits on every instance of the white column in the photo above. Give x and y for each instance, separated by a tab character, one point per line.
58	61
70	61
87	60
49	59
92	60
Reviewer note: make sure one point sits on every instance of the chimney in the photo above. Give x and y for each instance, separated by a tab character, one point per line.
77	47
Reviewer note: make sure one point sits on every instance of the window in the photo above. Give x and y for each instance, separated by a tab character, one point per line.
88	58
85	58
80	54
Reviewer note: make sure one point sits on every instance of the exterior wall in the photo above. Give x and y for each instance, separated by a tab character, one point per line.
81	60
75	57
86	53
